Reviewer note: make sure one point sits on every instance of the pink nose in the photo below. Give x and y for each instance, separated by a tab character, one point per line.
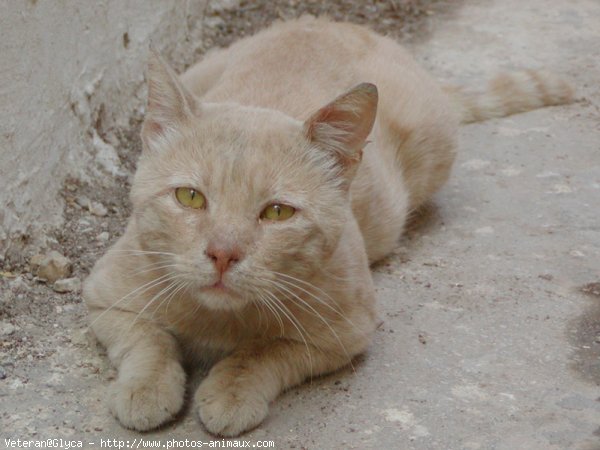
223	258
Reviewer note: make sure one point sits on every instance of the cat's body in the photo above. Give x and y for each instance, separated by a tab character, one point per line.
299	67
280	300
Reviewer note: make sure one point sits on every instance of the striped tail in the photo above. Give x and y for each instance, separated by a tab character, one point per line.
511	93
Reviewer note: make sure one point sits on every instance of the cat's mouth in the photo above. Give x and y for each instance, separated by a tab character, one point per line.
219	287
221	296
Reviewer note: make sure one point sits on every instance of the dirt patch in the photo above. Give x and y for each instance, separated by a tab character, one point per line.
585	336
35	321
398	18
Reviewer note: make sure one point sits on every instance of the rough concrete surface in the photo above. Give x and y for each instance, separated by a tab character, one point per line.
68	74
491	304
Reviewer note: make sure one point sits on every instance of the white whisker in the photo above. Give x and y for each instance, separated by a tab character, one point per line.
296	323
320	301
281	288
179	284
157	296
306	283
132	252
149	268
143	288
267	303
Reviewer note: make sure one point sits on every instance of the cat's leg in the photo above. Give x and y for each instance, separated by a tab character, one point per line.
235	395
150	386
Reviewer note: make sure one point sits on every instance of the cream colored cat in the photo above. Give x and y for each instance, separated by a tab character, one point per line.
273	173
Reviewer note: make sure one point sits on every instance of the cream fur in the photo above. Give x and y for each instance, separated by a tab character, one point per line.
264	121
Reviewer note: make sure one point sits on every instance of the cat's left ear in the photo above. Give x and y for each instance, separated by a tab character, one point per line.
169	105
343	125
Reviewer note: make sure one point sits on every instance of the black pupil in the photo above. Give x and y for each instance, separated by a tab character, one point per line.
192	194
277	209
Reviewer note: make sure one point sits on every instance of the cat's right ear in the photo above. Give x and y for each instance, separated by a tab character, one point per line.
169	104
343	126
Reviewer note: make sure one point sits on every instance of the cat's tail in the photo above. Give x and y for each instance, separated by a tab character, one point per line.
511	93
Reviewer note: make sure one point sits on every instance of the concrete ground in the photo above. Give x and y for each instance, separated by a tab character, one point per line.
491	304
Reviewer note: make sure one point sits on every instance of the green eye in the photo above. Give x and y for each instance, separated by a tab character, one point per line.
190	198
277	212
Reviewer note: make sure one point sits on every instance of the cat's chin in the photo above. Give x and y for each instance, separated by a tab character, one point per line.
221	298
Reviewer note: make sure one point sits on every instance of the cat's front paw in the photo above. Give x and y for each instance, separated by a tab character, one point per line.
144	403
228	409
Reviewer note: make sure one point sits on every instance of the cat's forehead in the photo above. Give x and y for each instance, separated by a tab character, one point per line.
243	132
244	151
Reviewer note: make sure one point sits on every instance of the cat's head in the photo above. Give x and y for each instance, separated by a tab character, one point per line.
238	202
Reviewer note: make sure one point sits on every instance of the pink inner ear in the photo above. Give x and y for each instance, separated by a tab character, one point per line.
333	116
325	114
344	124
153	127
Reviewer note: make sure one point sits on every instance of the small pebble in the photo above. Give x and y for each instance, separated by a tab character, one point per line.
83	201
18	284
81	337
103	237
6	329
98	209
53	266
2	373
67	285
36	260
